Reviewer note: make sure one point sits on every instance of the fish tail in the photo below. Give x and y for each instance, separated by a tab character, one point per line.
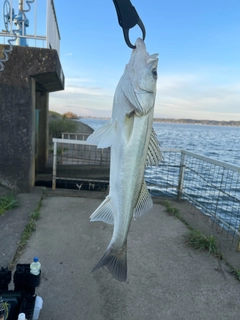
116	262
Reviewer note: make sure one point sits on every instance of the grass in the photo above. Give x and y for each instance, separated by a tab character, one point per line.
7	202
238	242
27	232
198	240
175	212
6	306
236	273
195	238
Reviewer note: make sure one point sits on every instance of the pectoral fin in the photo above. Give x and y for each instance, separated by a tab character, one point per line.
104	212
144	202
154	155
104	136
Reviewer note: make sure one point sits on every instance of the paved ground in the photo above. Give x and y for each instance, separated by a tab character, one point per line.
14	221
166	279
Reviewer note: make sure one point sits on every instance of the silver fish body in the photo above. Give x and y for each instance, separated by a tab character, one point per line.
133	146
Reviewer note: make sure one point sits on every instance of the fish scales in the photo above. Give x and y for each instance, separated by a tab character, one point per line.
134	145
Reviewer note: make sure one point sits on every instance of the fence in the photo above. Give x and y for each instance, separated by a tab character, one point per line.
53	33
75	136
78	160
43	30
210	185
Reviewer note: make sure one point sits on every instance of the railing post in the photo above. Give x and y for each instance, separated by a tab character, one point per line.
181	176
102	155
54	164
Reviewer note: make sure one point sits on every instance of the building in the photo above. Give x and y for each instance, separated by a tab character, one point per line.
26	80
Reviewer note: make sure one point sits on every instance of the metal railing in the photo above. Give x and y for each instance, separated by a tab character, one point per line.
43	27
75	136
210	185
53	33
69	155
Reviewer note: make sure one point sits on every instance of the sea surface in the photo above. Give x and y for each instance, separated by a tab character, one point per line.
221	143
218	142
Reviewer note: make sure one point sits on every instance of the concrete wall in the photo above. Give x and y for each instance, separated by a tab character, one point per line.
41	141
29	75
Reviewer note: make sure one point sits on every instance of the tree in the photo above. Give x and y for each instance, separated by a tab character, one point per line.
71	115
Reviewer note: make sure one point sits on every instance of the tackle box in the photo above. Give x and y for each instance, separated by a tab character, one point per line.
22	298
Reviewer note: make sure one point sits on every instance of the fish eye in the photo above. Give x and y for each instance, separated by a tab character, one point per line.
154	72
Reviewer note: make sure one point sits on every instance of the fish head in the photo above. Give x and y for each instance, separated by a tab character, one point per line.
141	71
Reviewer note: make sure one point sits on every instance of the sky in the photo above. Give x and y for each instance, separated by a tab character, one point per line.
198	42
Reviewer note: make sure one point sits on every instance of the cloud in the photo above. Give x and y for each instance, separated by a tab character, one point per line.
82	98
80	88
68	54
89	91
180	95
82	111
195	96
70	81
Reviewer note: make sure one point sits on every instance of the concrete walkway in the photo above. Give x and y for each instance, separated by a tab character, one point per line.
13	222
166	279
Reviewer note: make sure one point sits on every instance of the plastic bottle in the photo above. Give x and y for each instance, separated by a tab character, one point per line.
35	266
22	316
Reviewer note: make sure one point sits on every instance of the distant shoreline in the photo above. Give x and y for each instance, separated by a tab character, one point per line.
230	123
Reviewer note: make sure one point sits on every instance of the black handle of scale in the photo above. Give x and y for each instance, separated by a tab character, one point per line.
128	18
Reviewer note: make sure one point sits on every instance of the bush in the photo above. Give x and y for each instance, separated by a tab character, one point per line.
56	127
71	115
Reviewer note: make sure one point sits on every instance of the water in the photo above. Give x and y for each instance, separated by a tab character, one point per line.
218	142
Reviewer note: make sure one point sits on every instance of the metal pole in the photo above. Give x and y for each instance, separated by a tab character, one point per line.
22	28
35	21
181	176
11	17
47	24
54	164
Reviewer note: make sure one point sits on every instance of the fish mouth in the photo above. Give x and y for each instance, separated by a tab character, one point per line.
140	44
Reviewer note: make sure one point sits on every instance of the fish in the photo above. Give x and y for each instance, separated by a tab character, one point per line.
134	146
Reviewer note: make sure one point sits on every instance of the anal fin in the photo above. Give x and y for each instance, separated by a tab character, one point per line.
154	155
104	212
144	203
